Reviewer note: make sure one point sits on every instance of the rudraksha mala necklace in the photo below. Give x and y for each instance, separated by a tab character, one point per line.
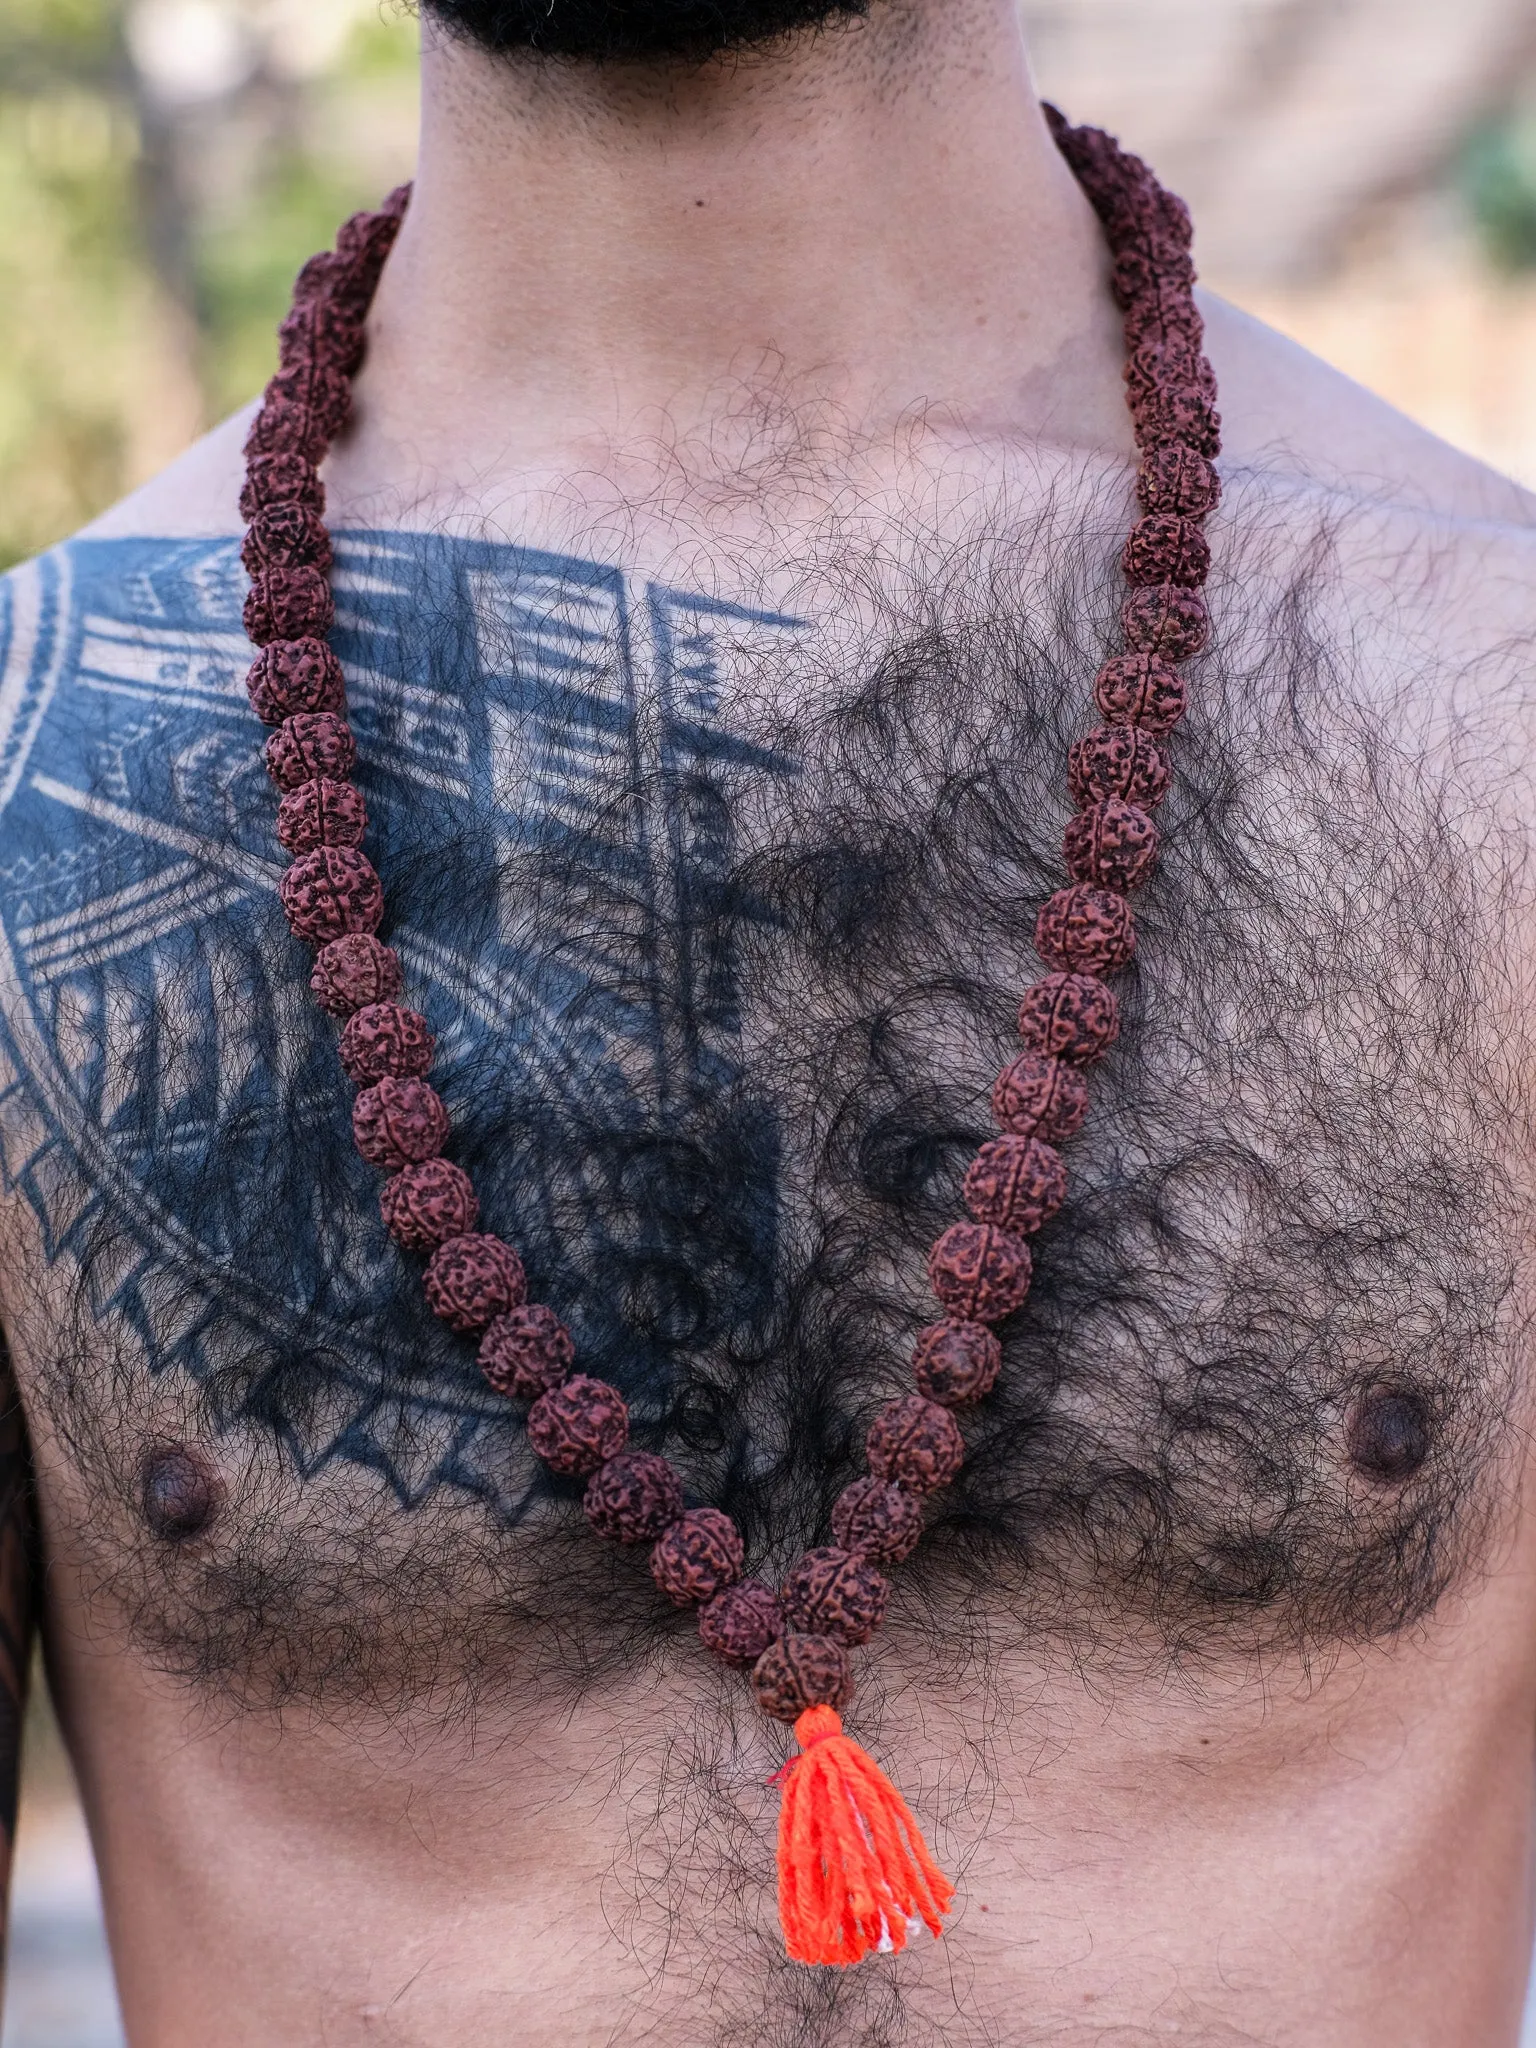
854	1872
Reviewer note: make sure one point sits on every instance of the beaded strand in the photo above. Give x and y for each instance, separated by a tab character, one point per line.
794	1640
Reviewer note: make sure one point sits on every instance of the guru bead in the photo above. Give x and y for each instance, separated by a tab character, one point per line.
353	971
292	676
576	1427
875	1520
698	1557
472	1279
1111	844
738	1625
283	537
385	1038
331	891
830	1592
321	813
310	744
1037	1096
1073	1016
397	1123
1085	930
956	1363
527	1352
633	1498
1140	689
1166	619
288	604
801	1671
1177	479
425	1204
1016	1183
1118	760
979	1272
915	1443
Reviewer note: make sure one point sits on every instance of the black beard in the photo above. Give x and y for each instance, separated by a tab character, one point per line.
607	30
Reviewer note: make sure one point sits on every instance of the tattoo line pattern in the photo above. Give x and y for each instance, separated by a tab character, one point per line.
542	697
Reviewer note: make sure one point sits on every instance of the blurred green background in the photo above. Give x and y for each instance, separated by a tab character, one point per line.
166	164
163	170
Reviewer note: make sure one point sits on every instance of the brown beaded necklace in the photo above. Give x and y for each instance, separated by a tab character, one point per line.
854	1873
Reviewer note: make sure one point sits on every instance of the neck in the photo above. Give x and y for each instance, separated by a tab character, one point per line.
872	219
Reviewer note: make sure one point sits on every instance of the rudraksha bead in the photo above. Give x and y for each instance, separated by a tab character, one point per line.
353	971
426	1204
283	428
286	537
979	1272
280	480
739	1624
1071	1016
1085	930
1111	844
915	1443
699	1556
472	1279
798	1672
1166	365
365	239
331	891
1141	689
576	1427
1119	760
1037	1096
1136	273
385	1038
325	329
873	1519
397	1123
1016	1183
1163	548
321	813
1178	412
526	1352
1167	318
289	604
318	388
295	676
1177	479
956	1363
319	277
829	1592
633	1498
308	744
1165	618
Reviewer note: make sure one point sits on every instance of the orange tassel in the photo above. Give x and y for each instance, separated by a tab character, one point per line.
854	1873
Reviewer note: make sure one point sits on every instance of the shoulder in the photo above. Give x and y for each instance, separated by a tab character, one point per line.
195	497
1292	417
1412	565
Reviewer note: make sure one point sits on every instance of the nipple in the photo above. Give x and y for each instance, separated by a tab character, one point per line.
179	1492
1387	1434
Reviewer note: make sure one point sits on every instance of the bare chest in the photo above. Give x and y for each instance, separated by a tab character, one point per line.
720	975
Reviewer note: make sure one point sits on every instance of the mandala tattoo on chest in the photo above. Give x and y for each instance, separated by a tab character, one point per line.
854	1872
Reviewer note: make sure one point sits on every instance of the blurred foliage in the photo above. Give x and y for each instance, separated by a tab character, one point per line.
148	238
1499	176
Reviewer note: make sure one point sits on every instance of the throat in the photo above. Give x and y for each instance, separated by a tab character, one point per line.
929	251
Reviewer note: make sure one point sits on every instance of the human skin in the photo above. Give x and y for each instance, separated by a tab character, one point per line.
693	323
